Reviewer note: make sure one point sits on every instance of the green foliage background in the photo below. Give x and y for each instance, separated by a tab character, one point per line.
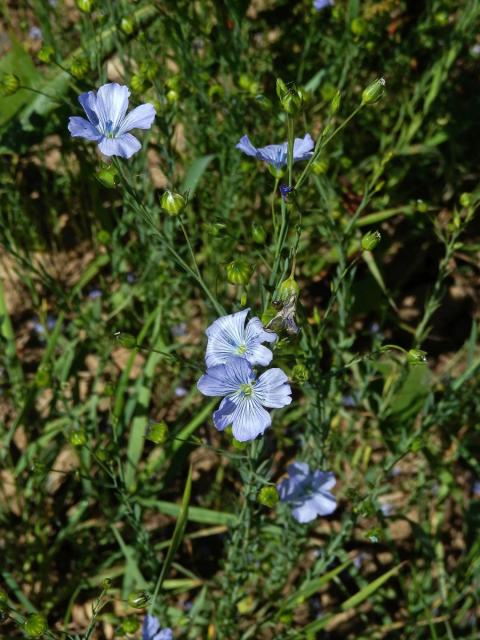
84	495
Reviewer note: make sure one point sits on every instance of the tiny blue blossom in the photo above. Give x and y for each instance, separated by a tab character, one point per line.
245	396
285	190
276	154
229	337
108	123
35	33
95	294
151	630
308	492
322	4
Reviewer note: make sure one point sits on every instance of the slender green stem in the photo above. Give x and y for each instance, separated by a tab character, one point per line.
194	273
323	143
291	142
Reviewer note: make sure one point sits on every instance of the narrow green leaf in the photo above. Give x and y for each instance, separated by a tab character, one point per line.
176	538
194	173
312	586
369	589
195	514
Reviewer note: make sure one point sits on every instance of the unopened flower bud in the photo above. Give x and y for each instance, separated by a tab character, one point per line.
85	5
268	496
300	374
106	583
172	203
158	432
416	356
370	240
79	67
287	289
258	233
130	625
281	88
35	625
127	340
127	25
9	84
291	102
239	271
335	104
46	54
108	176
138	599
78	438
374	92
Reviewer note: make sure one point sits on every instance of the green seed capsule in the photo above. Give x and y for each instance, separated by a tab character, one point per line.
239	272
258	233
108	176
158	433
79	67
374	92
46	54
138	599
300	374
370	240
288	289
78	438
85	5
127	25
268	496
416	356
172	203
35	625
137	83
130	625
9	84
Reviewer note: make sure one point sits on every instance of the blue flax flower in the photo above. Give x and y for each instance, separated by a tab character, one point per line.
322	4
229	337
108	123
151	630
245	396
307	492
276	154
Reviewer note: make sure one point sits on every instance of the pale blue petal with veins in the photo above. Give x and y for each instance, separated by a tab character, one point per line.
276	154
245	396
107	121
308	492
229	337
